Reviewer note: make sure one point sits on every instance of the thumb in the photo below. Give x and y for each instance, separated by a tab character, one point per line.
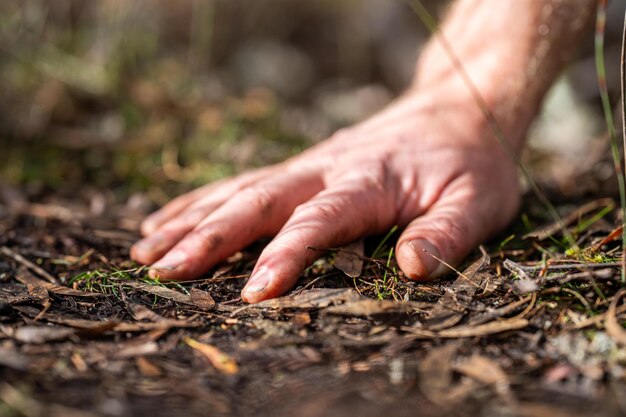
455	225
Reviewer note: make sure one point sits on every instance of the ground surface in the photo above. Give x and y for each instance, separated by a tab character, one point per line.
111	108
522	332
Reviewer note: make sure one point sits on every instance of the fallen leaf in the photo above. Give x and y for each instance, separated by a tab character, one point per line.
27	278
524	284
469	331
309	299
488	372
160	291
202	299
349	259
140	312
220	360
449	310
368	307
613	328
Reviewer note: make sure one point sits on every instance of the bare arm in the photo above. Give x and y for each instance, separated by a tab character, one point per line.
512	51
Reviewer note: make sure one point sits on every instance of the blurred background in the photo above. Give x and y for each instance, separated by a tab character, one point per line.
138	101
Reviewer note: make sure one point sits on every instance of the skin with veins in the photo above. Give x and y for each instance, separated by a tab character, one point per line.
429	162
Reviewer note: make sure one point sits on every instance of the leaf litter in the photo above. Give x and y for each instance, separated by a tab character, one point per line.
473	339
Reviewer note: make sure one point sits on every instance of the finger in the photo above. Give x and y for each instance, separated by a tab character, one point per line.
255	212
335	216
453	227
182	216
215	193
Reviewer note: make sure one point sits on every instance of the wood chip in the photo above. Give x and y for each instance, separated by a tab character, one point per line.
220	360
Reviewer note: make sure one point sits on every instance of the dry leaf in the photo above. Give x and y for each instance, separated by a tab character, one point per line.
162	292
27	278
140	312
469	331
488	372
221	361
202	299
613	328
368	307
449	311
309	299
436	377
349	259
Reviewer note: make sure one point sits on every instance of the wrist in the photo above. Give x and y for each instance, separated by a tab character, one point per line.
485	108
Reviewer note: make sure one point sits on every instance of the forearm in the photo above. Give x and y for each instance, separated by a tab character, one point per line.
511	50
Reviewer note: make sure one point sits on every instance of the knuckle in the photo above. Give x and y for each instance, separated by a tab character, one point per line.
207	238
321	211
259	198
453	232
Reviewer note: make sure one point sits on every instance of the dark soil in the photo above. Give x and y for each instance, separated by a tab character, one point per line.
513	335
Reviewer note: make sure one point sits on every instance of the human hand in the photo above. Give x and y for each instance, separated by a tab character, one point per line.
427	163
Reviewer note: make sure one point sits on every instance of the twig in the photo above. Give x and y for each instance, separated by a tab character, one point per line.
561	267
28	264
623	91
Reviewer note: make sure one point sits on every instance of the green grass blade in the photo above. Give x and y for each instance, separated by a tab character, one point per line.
623	191
432	26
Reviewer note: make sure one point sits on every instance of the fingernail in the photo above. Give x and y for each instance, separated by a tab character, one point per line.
257	282
427	254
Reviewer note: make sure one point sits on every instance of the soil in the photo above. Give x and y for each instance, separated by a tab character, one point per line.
520	331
